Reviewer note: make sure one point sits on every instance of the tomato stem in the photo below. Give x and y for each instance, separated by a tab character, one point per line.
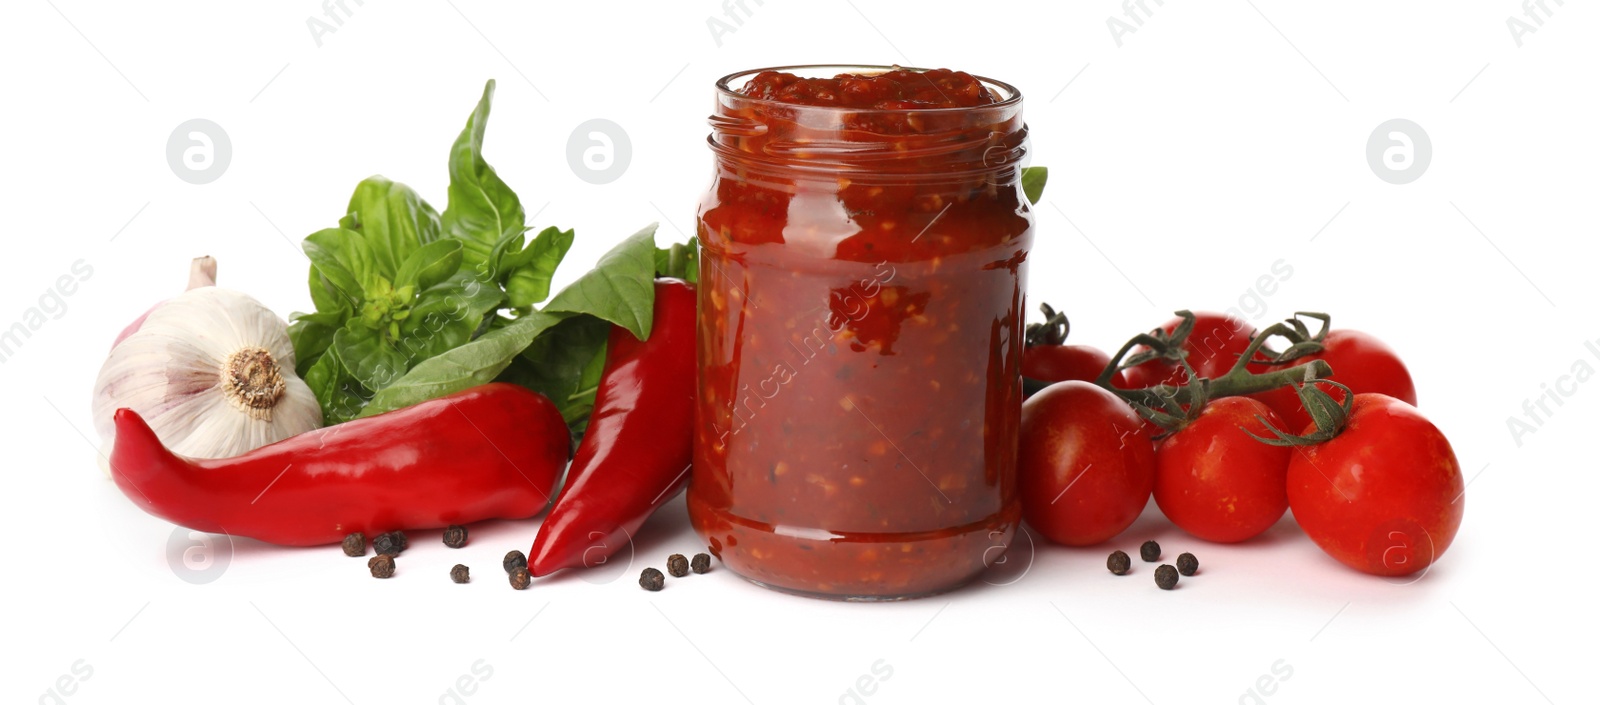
1302	341
1053	331
1171	406
1328	414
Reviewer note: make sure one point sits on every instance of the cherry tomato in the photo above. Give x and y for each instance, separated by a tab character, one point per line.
1216	482
1385	496
1359	361
1059	363
1213	346
1086	465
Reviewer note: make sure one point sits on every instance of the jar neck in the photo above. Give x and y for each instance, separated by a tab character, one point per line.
782	141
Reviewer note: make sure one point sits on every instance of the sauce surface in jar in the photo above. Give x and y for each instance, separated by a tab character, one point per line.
864	247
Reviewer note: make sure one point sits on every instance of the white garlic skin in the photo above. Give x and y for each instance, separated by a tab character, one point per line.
171	372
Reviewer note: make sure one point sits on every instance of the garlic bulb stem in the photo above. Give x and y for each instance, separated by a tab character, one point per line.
202	272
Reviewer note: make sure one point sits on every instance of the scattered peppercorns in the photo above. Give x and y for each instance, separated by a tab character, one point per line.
459	574
381	565
390	543
355	545
1118	563
701	563
677	565
1150	551
1166	577
455	536
1188	564
513	561
520	578
651	579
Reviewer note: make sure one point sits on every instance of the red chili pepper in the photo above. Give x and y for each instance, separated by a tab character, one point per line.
492	451
635	454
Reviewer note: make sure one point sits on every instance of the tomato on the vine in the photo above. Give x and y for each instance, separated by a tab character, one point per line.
1359	361
1047	358
1386	495
1216	482
1212	347
1085	466
1061	363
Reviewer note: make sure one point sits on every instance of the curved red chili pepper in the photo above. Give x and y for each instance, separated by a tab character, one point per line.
635	454
492	451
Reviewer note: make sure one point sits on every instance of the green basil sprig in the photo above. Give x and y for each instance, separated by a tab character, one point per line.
412	304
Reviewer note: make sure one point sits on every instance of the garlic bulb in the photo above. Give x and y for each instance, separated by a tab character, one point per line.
202	272
212	371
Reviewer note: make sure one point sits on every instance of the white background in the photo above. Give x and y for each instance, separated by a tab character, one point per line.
1218	138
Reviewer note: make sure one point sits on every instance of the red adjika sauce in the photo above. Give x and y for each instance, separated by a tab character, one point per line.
864	247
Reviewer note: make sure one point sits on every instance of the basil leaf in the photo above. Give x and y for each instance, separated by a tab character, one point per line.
481	208
367	356
324	295
341	257
508	242
588	387
680	261
311	334
532	269
554	364
341	397
445	317
1033	179
526	287
472	364
394	220
430	264
620	288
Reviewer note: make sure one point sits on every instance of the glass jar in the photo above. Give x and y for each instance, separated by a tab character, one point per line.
861	306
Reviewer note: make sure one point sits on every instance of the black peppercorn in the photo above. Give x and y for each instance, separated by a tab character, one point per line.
677	565
381	565
513	561
355	545
1188	564
651	579
455	536
1166	577
1118	563
701	563
391	543
520	578
1150	551
459	574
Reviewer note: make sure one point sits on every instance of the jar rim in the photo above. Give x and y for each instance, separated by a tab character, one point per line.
1010	95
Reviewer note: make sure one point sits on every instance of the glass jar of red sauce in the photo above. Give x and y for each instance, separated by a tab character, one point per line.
863	262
